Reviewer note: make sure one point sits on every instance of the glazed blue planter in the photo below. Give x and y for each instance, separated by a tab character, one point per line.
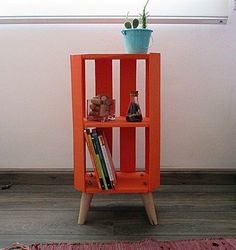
136	40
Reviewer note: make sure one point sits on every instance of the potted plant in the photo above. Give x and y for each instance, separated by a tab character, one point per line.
136	35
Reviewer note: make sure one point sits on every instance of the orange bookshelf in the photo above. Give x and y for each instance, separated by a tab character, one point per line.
129	178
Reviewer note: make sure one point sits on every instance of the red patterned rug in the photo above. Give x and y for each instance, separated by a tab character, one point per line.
196	244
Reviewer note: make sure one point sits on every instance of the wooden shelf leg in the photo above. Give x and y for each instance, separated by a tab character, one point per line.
150	207
84	207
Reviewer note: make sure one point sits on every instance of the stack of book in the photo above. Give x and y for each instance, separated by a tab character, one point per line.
101	158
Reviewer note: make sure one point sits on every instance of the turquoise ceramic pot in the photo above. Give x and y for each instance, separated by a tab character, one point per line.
136	40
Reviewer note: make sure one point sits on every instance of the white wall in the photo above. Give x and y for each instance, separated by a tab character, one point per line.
198	92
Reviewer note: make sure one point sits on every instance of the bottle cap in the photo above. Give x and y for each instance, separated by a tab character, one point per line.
134	93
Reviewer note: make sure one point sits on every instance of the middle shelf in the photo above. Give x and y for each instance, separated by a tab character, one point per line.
118	122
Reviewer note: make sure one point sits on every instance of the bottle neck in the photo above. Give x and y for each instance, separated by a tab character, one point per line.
134	98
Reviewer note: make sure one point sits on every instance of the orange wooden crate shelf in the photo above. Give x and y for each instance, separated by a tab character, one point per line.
129	180
118	122
136	182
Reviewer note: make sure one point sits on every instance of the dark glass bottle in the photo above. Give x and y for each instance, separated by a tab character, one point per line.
134	112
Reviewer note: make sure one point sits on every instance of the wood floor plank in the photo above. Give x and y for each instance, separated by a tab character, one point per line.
174	216
54	222
40	189
73	205
194	223
39	204
5	195
178	228
201	196
163	189
197	188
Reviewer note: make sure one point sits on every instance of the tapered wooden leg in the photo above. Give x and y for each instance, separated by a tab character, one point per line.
84	207
150	207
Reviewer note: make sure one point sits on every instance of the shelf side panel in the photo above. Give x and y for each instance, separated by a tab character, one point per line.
103	76
78	109
147	151
147	114
154	115
127	135
147	88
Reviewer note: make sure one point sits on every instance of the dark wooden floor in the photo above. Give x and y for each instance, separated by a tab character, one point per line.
43	213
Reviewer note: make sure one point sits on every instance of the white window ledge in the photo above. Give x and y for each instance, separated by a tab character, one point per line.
110	20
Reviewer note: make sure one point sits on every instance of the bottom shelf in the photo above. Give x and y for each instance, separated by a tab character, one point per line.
136	182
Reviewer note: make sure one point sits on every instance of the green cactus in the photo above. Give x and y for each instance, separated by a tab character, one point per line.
144	16
128	25
135	23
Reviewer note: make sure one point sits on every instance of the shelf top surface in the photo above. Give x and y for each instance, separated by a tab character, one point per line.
118	122
115	56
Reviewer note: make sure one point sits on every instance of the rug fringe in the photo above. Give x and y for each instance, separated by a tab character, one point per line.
148	244
16	246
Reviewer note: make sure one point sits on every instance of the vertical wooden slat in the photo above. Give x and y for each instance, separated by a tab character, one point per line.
147	164
147	115
78	109
147	88
154	114
103	76
127	135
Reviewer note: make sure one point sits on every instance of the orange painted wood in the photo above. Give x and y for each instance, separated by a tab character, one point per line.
103	76
127	135
103	81
147	150
114	56
135	182
78	95
128	181
118	122
147	114
154	115
147	88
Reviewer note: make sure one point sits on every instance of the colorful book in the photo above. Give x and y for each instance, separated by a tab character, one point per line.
110	158
101	157
94	160
107	158
99	162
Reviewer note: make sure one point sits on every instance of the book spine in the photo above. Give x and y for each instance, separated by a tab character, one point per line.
104	151
113	170
94	159
101	157
90	149
99	163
